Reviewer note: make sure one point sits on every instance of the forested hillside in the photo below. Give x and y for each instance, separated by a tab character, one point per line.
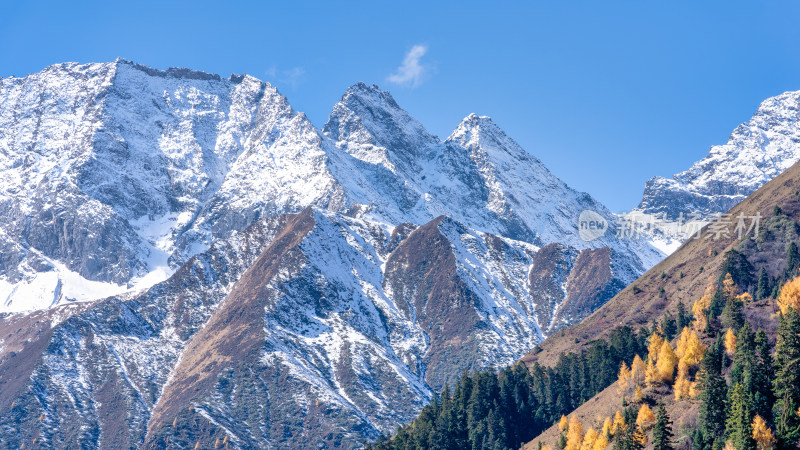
704	350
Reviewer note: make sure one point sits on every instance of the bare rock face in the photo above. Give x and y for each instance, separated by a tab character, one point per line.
185	259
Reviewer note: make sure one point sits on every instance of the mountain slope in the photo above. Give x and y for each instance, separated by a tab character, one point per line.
296	313
685	275
114	196
756	152
266	283
117	173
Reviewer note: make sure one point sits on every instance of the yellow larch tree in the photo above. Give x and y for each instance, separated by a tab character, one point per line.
729	446
654	347
729	288
607	427
574	434
666	363
639	436
623	378
651	373
638	370
700	312
694	389
638	395
693	349
790	296
601	442
680	345
745	298
618	424
563	423
730	342
645	419
763	436
588	439
682	384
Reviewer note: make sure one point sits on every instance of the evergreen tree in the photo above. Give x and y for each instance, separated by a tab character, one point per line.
763	290
792	261
630	437
787	380
733	313
662	430
711	421
669	326
684	318
764	373
744	358
738	426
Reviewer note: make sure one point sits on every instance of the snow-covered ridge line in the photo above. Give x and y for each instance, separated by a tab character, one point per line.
756	152
143	168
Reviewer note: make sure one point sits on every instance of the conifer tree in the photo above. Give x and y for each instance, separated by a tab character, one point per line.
738	426
787	379
763	288
700	312
764	373
666	363
662	430
790	296
762	435
730	342
711	420
574	434
684	318
682	384
638	371
589	439
654	346
645	419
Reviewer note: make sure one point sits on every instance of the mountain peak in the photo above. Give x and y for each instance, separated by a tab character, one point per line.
368	115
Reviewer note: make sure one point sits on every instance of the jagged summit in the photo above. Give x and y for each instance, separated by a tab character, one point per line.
367	122
756	152
306	285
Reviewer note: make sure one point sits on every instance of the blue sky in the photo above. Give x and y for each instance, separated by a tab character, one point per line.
607	94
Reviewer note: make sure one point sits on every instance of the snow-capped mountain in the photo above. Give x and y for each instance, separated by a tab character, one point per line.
114	174
756	152
269	283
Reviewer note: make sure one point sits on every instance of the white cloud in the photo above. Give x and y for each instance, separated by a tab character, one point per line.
411	72
290	77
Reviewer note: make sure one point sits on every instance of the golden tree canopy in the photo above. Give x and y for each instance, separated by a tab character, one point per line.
651	374
623	378
700	310
654	347
763	436
574	434
682	386
638	370
601	442
729	288
563	423
730	342
645	418
666	363
790	296
693	349
619	423
588	439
